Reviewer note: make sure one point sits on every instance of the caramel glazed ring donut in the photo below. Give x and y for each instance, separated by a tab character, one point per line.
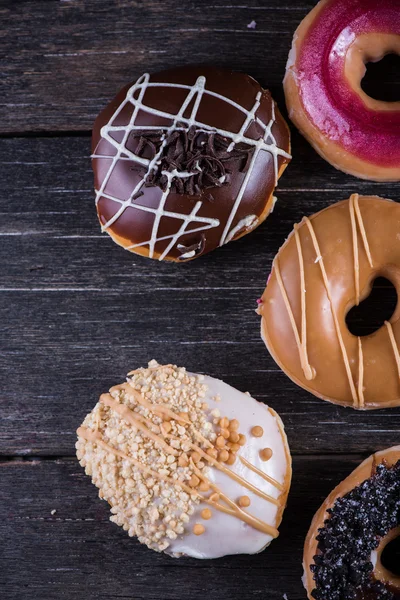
355	133
326	266
344	546
187	160
189	465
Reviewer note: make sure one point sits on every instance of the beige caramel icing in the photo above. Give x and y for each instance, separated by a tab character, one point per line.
327	266
168	451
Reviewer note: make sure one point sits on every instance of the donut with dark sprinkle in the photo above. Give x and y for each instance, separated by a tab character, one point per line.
342	569
203	154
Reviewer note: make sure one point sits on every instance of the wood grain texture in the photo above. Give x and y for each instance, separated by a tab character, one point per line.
64	60
79	312
77	553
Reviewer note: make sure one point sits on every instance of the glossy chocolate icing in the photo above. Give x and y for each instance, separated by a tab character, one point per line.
207	159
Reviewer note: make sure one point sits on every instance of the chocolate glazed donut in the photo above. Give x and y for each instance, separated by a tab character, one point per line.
327	266
349	533
187	160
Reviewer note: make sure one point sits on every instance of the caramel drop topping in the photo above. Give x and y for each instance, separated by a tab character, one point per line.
198	529
257	431
206	514
265	454
244	501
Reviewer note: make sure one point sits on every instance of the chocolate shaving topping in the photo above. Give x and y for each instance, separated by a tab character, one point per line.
200	158
342	568
197	247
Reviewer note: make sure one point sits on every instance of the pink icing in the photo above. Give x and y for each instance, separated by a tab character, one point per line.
332	105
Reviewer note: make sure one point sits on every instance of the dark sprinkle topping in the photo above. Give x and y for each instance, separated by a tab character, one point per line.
202	154
342	569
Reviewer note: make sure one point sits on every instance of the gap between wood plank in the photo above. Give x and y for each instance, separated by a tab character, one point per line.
23	458
84	133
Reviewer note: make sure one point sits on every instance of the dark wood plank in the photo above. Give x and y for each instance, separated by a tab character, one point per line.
78	553
79	312
61	62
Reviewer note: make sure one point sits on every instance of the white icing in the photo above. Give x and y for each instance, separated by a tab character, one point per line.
248	222
196	91
226	534
189	254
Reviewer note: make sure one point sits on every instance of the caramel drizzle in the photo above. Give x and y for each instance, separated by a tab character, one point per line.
126	413
362	228
355	249
236	510
131	417
221	467
394	345
159	409
95	436
360	374
356	213
309	373
155	408
333	311
265	476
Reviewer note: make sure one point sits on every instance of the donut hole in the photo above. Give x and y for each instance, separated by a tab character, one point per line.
381	79
390	557
373	311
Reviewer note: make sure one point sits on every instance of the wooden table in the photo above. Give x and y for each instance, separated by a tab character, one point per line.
77	312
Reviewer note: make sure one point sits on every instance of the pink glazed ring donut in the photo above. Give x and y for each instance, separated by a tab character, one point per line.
355	133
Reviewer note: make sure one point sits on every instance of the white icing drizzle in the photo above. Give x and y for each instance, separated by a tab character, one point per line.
248	222
267	143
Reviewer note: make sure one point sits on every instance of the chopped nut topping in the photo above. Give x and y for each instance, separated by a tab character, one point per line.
194	481
220	441
224	423
204	486
234	425
155	509
231	459
223	455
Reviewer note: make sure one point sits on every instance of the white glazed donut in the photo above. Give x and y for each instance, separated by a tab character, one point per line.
189	465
